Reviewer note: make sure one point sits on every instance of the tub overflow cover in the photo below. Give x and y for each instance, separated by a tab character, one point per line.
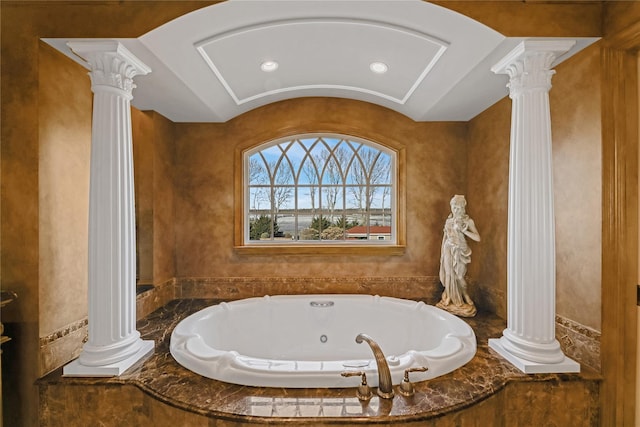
321	303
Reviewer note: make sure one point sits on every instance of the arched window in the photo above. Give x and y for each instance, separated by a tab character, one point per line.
320	189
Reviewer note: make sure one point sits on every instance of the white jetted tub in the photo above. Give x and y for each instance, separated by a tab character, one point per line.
307	341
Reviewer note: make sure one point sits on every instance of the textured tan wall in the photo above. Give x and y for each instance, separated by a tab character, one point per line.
65	153
577	156
164	246
154	169
19	227
205	156
487	197
517	18
619	15
142	132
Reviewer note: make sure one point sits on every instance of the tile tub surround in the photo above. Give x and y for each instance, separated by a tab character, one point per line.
426	288
159	390
578	342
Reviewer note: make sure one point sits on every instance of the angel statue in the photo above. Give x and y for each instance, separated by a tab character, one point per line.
454	258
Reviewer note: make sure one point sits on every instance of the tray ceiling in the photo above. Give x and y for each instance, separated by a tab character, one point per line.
206	65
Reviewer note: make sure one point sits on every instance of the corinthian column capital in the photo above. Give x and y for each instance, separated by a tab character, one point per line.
529	64
112	65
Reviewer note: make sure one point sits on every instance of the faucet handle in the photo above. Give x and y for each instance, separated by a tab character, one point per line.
364	391
406	388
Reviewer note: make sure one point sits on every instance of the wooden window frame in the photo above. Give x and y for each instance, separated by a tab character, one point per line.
312	248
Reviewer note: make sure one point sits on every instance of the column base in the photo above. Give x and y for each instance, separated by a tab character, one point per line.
528	367
76	369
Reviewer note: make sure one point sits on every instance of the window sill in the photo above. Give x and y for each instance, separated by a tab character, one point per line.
358	250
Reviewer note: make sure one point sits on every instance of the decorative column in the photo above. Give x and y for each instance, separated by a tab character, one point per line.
529	340
114	344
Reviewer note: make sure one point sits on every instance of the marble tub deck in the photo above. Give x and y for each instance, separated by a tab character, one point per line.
162	378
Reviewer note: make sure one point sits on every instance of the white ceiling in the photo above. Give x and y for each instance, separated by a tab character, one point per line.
206	64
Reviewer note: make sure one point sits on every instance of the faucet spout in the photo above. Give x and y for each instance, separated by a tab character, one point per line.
385	386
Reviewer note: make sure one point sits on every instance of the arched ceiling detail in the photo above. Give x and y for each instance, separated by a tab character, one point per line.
206	65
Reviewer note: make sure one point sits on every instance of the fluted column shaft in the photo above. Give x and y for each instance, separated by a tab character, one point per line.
531	270
113	338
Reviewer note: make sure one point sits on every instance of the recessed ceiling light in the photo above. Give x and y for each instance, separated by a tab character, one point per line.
378	67
269	66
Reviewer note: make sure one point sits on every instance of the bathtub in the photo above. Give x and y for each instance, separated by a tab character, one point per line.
307	341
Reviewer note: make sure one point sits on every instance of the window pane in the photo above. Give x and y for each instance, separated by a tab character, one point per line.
281	197
356	198
332	173
332	202
304	228
262	227
309	173
257	170
258	199
308	199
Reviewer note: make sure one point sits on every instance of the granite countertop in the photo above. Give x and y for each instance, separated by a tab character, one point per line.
162	377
